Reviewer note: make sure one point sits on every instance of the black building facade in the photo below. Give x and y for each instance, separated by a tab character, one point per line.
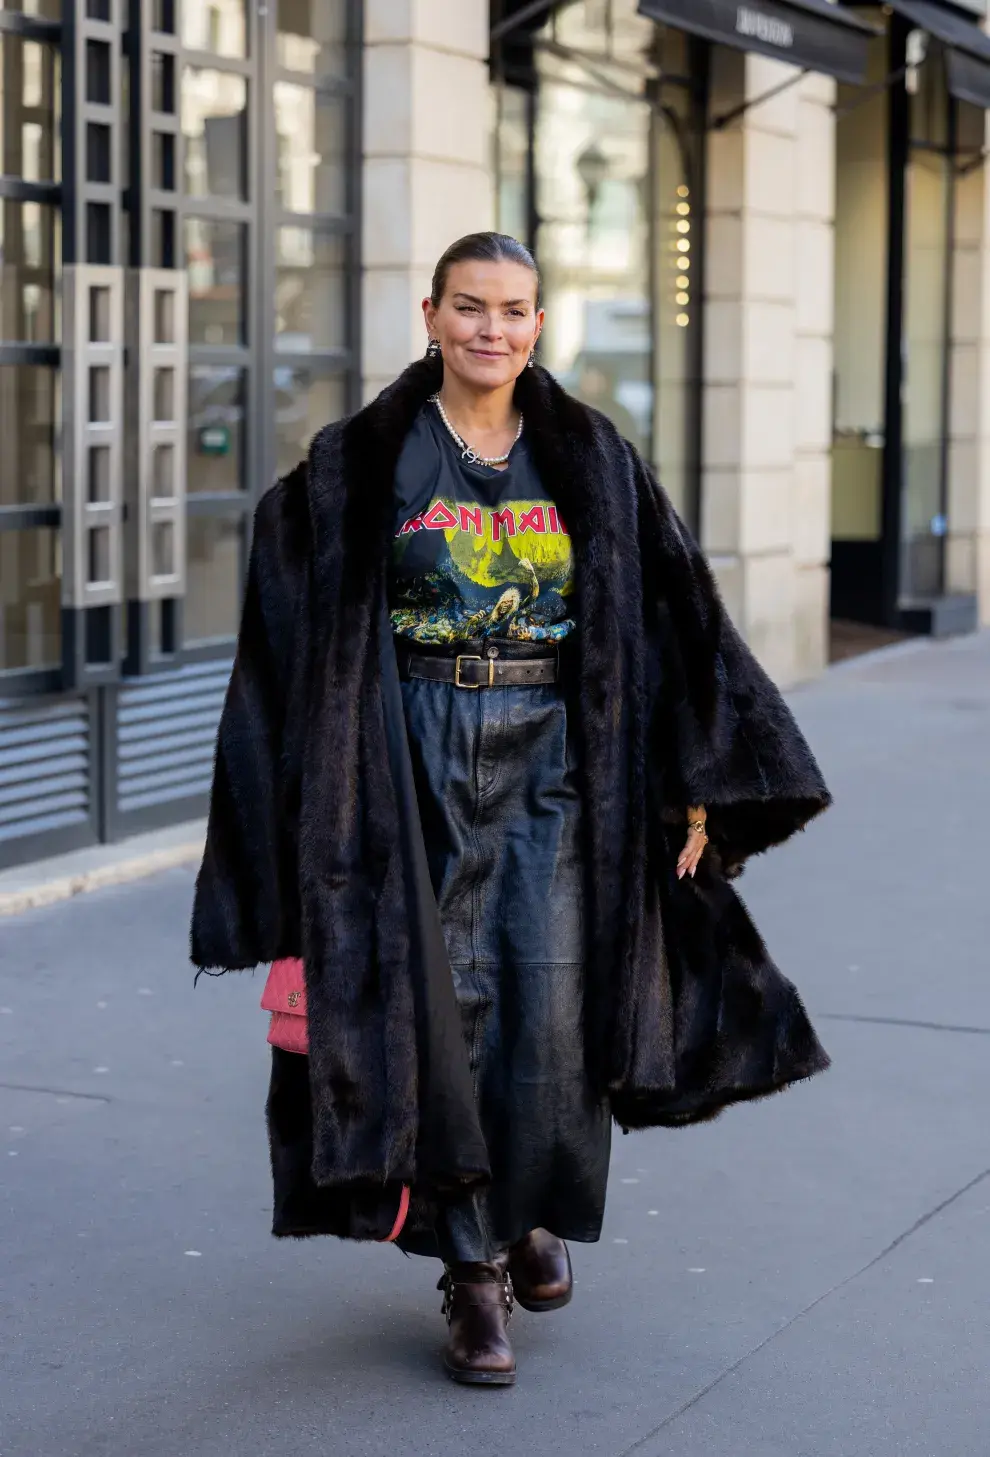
178	236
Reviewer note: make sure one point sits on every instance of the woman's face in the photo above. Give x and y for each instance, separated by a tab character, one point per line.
487	322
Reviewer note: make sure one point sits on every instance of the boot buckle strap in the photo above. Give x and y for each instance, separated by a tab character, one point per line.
448	1285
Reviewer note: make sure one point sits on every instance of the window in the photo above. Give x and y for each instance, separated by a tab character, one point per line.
311	36
303	404
216	26
213	591
29	248
30	599
29	409
215	259
216	427
310	291
29	115
214	124
310	130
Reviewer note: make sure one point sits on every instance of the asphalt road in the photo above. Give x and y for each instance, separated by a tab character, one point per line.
808	1277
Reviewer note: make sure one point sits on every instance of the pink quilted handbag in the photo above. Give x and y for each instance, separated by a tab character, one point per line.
285	997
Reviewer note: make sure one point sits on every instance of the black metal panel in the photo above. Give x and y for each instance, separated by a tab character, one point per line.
946	25
32	26
47	781
967	57
813	34
968	78
898	132
856	582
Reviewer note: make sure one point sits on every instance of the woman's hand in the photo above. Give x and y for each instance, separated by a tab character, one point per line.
694	848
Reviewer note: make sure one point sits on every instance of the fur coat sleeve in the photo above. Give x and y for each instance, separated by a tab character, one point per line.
725	738
247	897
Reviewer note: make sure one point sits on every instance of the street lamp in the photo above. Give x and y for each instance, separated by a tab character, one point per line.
592	168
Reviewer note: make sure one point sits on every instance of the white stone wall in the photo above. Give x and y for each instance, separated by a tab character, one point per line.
427	171
768	359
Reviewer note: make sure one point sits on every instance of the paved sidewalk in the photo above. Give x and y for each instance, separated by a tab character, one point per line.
44	882
809	1277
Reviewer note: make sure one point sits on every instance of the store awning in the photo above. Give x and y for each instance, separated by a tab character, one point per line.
967	48
812	34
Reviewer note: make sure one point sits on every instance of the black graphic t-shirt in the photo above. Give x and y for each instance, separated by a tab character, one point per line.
478	552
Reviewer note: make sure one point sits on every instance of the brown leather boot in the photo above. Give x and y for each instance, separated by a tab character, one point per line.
477	1301
540	1269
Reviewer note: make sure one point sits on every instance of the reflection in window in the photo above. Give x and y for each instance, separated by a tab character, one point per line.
28	411
311	139
928	261
39	9
29	121
30	599
214	113
214	25
312	35
512	161
215	264
213	577
604	28
310	291
861	216
28	252
592	163
215	428
304	403
612	133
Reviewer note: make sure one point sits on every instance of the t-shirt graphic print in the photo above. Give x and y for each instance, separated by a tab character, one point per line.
476	559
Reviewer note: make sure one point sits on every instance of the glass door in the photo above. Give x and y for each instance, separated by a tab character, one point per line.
220	88
592	164
178	315
599	159
313	266
928	250
859	387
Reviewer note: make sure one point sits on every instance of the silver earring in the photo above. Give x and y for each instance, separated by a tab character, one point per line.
531	362
433	349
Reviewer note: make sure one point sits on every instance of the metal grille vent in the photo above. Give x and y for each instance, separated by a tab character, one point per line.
44	766
166	730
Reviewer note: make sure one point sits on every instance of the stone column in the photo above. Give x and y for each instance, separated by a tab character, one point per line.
814	296
968	558
768	359
427	175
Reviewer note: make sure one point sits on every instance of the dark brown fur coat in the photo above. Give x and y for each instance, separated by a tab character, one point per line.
314	847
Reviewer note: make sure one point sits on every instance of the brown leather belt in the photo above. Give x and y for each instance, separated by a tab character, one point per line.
470	670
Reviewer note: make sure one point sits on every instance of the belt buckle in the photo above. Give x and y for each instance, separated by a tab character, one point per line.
473	658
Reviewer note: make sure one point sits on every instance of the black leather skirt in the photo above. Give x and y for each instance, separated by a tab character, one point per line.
501	814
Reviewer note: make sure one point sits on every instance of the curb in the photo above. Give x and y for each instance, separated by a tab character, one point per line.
883	654
63	888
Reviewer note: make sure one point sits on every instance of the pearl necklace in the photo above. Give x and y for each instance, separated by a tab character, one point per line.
472	456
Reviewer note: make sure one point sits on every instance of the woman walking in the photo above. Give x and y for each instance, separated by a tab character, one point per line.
490	757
